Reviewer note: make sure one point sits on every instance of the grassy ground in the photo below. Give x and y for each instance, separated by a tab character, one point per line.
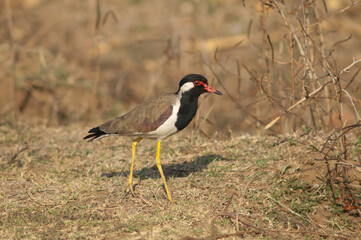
72	62
55	185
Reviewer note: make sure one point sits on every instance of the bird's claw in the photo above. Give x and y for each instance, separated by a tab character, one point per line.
130	186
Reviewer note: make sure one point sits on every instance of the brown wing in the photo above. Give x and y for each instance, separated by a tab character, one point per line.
146	117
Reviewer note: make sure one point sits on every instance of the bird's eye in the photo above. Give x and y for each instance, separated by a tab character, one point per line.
196	83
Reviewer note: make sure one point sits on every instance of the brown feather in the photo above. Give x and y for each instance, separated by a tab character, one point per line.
146	117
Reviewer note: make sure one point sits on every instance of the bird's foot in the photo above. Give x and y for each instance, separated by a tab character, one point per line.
130	186
170	198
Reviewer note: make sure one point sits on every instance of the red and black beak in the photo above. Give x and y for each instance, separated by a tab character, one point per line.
211	90
207	88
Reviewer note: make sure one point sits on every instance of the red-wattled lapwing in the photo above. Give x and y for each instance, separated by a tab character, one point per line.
157	118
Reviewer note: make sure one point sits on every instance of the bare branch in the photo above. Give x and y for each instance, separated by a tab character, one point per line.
312	94
346	69
353	105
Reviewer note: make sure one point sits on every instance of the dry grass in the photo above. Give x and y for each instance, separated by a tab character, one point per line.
256	187
284	66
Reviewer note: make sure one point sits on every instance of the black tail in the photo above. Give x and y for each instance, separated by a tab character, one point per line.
94	134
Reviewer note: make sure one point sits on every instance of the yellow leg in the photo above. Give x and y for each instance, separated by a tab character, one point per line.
157	161
130	180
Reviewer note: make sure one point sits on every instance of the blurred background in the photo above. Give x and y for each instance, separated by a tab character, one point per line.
82	62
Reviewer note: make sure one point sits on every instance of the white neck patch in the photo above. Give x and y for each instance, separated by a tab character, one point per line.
186	87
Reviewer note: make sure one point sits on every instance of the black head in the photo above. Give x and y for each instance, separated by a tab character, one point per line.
197	84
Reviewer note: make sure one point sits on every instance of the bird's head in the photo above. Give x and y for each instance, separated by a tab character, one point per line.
196	84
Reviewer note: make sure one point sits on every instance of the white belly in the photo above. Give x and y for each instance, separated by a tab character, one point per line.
168	127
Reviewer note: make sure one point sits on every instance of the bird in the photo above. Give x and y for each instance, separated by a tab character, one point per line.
157	119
